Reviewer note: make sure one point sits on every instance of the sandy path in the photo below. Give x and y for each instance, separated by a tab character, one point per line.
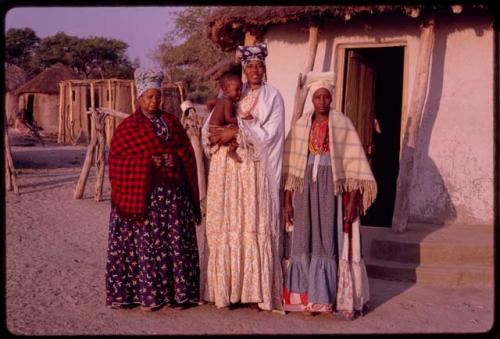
56	254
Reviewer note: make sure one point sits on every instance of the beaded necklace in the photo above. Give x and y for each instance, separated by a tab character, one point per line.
248	103
318	142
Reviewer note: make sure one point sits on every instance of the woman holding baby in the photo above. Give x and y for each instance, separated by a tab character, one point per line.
243	222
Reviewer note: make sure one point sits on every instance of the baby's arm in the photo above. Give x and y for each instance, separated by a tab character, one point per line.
218	115
229	113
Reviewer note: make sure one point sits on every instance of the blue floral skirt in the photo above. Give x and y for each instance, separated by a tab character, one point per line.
154	261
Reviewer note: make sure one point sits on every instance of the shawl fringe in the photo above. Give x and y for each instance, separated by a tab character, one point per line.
293	183
367	188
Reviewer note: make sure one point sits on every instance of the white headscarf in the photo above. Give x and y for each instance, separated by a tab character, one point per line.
317	80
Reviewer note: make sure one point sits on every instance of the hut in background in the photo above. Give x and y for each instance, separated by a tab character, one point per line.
40	97
77	96
14	77
423	72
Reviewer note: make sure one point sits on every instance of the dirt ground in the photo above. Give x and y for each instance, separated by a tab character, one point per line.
56	255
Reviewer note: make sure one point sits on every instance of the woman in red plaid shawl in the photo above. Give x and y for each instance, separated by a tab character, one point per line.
152	251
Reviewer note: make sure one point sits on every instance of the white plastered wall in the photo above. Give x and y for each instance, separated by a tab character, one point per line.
453	178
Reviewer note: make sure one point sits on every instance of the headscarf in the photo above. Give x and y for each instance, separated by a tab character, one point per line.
147	78
248	53
317	80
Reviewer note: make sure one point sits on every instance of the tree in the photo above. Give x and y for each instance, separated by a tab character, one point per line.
195	54
20	45
94	57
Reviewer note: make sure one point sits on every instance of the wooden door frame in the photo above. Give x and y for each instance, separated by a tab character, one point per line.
340	63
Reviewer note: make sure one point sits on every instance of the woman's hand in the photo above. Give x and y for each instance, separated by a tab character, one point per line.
351	210
288	208
223	135
166	160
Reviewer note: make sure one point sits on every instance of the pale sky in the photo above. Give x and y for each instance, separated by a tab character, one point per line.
142	27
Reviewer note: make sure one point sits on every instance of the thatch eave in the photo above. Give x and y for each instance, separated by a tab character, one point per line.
227	25
47	82
15	76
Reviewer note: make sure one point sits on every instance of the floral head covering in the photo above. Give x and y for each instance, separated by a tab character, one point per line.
317	80
256	52
146	79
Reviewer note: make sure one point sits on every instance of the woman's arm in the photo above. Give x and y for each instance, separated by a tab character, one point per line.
352	207
289	207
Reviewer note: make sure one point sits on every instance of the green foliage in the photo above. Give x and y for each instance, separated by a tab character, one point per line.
195	54
94	57
20	45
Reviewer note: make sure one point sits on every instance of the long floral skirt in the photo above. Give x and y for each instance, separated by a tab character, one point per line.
154	261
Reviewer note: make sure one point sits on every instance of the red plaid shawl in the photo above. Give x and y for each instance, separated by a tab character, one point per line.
130	161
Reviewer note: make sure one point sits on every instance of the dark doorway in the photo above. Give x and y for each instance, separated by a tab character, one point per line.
373	90
29	109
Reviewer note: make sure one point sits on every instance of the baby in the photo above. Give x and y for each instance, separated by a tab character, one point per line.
225	108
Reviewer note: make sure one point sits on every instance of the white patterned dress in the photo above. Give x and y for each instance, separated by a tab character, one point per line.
243	252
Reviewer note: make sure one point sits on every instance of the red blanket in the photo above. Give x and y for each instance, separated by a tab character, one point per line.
131	165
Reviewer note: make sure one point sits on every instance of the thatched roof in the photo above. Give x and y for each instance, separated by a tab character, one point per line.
15	76
227	25
48	81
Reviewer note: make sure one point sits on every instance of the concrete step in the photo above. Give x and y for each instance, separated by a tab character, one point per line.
431	253
454	255
449	275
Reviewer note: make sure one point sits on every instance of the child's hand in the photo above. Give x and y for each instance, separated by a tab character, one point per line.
247	117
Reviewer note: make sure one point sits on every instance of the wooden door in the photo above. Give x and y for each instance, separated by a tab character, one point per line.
359	97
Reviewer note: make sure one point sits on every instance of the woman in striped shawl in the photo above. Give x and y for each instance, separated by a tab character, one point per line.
328	183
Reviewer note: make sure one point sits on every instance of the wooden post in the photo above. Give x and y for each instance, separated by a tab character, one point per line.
87	164
71	119
96	150
401	207
132	90
99	156
10	172
250	38
313	46
92	106
300	90
92	95
64	115
108	119
8	178
61	110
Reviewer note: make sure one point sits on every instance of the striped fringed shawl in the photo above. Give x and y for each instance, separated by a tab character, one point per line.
350	167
